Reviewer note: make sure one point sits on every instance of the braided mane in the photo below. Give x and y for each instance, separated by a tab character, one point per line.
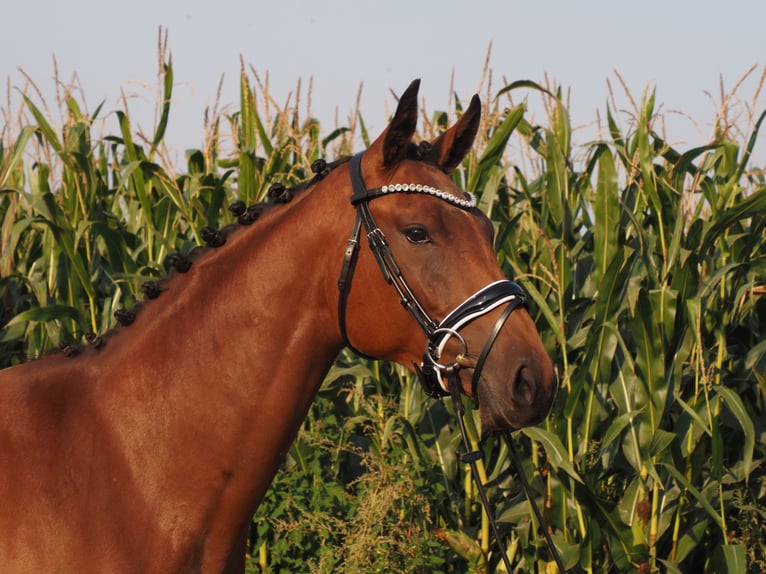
179	263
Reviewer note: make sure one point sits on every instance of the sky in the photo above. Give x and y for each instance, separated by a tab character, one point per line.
685	50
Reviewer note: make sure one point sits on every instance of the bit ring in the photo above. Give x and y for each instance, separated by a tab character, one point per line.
434	350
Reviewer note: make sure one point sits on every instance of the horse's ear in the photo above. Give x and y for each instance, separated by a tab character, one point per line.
397	136
449	149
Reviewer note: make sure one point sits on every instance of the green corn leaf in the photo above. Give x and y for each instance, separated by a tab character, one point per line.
167	186
749	147
524	84
690	538
661	440
248	110
756	356
556	185
735	558
684	165
249	179
646	155
670	567
11	161
562	128
694	415
65	238
49	134
646	326
132	172
493	153
734	403
748	207
114	241
556	451
53	312
97	111
74	108
616	428
167	95
11	244
606	211
698	496
609	301
542	305
265	139
132	177
335	134
617	138
489	193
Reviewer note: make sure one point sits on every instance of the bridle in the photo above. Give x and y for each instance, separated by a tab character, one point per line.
431	372
438	380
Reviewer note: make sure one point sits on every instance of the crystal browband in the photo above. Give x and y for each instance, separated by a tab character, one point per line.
419	188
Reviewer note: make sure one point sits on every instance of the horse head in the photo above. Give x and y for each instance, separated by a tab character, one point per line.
430	277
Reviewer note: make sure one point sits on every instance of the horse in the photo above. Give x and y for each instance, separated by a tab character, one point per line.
150	451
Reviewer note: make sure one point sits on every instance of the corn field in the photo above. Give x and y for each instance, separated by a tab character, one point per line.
646	270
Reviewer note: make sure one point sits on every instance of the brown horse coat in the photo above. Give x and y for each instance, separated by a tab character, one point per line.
151	454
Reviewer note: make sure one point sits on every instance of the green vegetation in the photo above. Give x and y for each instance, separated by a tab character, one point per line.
646	267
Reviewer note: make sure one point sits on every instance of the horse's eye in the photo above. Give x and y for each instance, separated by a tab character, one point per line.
417	234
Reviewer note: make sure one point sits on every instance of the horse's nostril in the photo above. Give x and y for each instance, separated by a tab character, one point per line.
524	387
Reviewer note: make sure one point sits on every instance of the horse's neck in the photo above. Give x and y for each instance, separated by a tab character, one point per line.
244	309
219	372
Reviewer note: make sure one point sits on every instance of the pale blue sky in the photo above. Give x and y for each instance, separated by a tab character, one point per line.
682	48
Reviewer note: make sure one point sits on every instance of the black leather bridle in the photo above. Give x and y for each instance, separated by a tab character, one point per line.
504	292
438	380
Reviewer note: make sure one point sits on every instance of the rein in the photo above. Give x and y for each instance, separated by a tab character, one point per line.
431	372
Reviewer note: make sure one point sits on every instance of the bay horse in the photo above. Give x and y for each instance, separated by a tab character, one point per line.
152	453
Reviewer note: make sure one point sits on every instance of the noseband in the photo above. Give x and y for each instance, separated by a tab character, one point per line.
431	372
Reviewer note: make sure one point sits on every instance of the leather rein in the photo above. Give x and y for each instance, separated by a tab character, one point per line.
438	380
